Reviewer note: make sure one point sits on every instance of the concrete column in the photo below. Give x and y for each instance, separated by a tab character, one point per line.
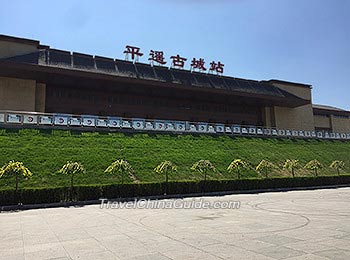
268	116
40	97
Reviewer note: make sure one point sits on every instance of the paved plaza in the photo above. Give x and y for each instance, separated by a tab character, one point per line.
283	225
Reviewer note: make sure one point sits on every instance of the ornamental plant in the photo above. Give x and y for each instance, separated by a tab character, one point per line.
238	166
264	167
165	168
72	168
338	165
16	169
291	166
203	167
121	167
314	166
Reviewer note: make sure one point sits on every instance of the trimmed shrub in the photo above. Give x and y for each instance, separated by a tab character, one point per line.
95	192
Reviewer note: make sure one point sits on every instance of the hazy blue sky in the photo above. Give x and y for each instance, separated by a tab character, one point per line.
305	41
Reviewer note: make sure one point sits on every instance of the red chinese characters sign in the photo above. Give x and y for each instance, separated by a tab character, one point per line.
217	67
198	64
177	61
157	56
134	52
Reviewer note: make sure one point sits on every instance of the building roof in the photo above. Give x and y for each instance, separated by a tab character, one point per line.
329	110
325	107
79	62
278	81
21	40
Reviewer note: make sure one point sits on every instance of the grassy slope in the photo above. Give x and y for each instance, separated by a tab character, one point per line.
45	153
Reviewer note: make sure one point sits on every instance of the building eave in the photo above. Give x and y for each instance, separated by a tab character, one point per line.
8	38
290	83
51	74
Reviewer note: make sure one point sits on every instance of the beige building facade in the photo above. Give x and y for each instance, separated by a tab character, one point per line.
331	119
21	95
295	118
18	94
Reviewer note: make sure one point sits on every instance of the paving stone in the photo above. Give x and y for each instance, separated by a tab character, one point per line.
335	254
279	252
278	239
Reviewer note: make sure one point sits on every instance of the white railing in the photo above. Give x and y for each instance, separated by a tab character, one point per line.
44	120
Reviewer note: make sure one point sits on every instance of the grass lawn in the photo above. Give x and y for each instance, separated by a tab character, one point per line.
45	152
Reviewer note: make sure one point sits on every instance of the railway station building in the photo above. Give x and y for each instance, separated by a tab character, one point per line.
37	78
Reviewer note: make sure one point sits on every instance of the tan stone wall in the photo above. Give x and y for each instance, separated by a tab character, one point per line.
268	117
322	121
17	94
299	91
300	118
40	97
340	124
10	49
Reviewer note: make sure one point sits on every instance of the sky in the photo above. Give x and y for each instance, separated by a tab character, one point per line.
305	41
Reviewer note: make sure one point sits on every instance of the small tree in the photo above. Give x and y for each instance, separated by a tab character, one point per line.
203	167
291	166
237	166
264	167
164	168
16	169
314	165
338	165
72	168
121	167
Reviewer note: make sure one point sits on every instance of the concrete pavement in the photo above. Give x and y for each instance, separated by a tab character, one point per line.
283	225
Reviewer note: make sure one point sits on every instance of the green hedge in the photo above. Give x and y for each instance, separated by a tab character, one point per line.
94	192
